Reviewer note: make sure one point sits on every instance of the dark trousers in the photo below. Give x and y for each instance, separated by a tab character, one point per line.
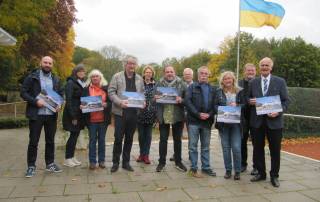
244	148
49	122
177	129
145	136
125	127
274	137
71	144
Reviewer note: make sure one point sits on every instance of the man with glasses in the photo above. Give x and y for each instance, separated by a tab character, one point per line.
125	119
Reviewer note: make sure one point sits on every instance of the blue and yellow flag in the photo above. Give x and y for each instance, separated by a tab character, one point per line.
257	13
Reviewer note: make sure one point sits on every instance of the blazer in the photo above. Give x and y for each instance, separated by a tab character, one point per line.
117	86
277	86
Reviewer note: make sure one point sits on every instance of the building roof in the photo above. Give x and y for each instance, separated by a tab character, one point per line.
6	39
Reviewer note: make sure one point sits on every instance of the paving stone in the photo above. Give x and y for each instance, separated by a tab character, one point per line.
135	176
13	181
311	183
181	183
29	191
289	196
247	189
49	180
120	187
76	198
17	200
207	192
165	196
122	197
254	198
314	194
115	177
88	188
286	186
5	191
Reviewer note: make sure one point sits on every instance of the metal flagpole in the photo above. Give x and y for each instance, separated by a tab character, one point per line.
238	51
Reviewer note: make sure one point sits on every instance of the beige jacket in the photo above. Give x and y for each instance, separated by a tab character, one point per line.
117	86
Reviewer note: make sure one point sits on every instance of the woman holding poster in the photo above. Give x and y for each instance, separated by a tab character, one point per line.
229	94
98	121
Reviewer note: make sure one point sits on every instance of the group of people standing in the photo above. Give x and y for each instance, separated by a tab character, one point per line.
196	106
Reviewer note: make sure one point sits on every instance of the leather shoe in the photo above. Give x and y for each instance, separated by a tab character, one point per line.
127	167
254	172
114	167
257	178
275	182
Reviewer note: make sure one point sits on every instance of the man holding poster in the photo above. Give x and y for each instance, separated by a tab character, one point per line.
270	124
170	114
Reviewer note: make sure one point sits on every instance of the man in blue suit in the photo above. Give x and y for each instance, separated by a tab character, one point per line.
269	125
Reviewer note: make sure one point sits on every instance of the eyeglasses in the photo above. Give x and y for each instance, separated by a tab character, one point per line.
264	65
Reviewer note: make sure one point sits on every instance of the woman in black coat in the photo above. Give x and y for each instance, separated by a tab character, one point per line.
72	117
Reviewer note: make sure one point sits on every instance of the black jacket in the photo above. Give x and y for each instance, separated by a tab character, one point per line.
195	105
107	110
72	111
246	108
31	88
221	100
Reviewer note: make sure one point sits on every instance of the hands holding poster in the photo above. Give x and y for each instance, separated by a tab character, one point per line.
269	104
52	100
91	104
229	114
166	95
134	99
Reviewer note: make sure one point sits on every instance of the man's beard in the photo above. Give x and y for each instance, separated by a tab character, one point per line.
45	71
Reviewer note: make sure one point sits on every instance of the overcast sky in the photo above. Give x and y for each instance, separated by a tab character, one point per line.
153	30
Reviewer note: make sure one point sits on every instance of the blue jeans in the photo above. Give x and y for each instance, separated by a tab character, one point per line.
97	131
231	140
196	131
145	136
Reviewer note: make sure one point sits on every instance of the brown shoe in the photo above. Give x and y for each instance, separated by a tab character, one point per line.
92	166
195	173
102	165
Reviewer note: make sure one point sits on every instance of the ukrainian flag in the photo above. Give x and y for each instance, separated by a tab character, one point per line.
257	13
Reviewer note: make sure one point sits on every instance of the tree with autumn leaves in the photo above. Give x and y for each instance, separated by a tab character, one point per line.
42	27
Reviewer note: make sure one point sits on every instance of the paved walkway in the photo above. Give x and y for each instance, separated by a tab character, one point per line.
299	178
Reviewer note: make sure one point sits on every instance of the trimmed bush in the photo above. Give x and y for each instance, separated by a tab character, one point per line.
7	123
303	101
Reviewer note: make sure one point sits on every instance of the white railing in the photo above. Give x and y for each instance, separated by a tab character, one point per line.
302	116
15	109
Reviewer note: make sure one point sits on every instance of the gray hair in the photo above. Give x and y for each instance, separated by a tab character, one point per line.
188	69
103	81
127	58
203	67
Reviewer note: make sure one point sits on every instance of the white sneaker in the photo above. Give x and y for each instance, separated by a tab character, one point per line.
76	161
69	163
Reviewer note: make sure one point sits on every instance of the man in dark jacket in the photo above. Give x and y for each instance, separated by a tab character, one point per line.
40	116
200	105
249	74
269	125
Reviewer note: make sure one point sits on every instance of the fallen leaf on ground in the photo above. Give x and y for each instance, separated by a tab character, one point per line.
161	188
101	185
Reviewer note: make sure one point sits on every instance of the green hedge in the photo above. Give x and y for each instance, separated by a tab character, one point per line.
303	101
7	123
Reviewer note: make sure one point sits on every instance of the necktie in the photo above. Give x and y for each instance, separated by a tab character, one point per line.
265	86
